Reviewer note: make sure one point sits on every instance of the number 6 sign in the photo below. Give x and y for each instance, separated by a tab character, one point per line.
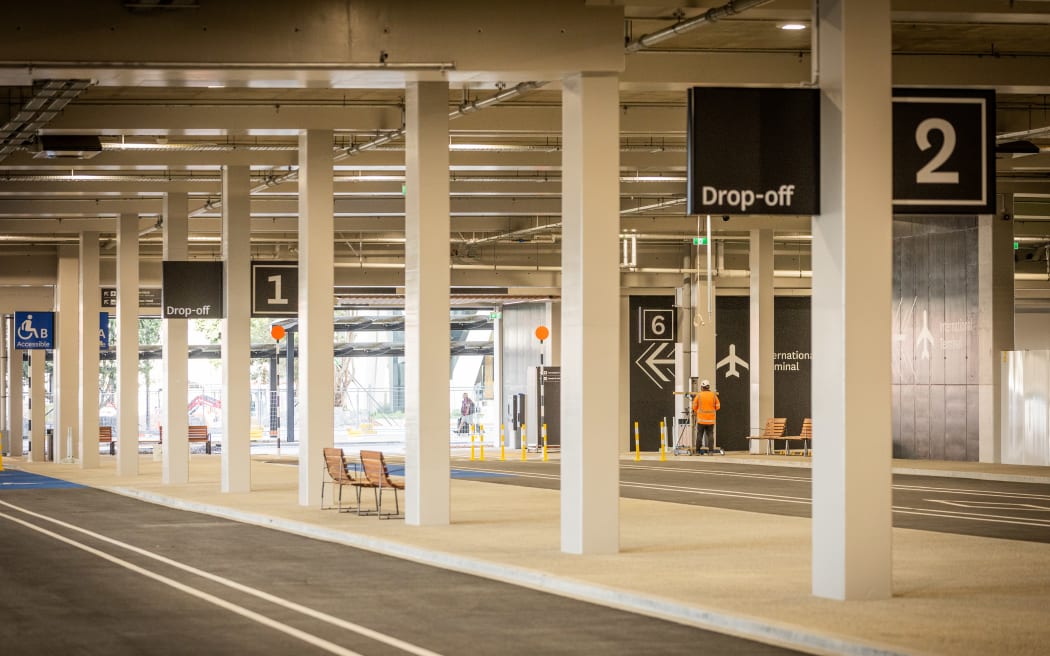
943	151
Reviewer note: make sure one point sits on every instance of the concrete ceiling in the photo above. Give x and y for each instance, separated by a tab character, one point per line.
178	89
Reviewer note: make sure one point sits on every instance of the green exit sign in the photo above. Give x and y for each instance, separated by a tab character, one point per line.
495	315
1017	245
699	241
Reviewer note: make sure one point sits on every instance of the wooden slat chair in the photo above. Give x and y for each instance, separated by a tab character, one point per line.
805	436
198	434
774	430
105	434
378	478
337	474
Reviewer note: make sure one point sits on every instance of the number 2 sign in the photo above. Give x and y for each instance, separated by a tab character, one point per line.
943	151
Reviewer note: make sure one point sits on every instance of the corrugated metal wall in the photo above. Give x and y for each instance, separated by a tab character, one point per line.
935	349
520	347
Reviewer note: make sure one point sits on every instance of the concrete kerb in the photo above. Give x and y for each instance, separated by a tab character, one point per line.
751	628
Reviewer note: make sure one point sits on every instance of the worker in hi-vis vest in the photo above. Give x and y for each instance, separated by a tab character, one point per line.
705	405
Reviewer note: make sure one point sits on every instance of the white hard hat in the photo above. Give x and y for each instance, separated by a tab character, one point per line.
704	384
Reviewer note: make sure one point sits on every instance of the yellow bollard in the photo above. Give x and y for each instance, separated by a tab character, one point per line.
472	442
481	439
524	442
1	460
663	442
502	443
637	444
545	443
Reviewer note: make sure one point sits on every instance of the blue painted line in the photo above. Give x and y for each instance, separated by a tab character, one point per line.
399	470
470	473
16	479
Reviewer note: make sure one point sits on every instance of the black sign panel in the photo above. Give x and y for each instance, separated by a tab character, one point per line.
275	289
149	297
732	371
192	290
652	369
754	151
943	151
792	361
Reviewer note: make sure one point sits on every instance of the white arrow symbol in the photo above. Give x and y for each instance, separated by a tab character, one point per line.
649	362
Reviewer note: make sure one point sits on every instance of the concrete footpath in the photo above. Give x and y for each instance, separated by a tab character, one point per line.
742	573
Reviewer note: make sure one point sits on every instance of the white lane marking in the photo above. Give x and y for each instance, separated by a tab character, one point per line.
976	493
291	605
194	592
991	505
720	472
756	496
975	517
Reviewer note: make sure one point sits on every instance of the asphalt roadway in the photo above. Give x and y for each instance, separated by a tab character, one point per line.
86	571
985	508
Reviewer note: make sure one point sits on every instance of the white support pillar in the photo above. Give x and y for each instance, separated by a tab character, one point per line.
427	282
175	343
67	355
5	353
316	287
14	398
852	303
704	331
37	422
590	481
236	330
90	305
128	345
995	322
761	333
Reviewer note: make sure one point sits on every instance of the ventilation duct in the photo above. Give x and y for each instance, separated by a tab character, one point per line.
64	146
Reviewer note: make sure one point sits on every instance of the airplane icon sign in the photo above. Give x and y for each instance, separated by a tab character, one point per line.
733	360
925	337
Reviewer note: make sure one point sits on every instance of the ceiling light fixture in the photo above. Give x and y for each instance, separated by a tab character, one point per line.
792	26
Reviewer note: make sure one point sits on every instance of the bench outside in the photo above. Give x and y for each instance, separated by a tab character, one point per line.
196	433
105	434
773	431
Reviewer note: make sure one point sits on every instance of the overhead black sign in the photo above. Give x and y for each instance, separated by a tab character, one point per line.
149	297
192	290
754	151
943	151
275	289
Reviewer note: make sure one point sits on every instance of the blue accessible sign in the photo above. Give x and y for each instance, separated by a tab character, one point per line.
34	330
103	331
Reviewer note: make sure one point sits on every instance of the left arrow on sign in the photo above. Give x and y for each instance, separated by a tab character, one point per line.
651	363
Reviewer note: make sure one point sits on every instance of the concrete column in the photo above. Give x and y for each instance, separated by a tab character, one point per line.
37	421
761	333
426	304
67	354
14	398
236	330
704	331
852	306
128	345
175	343
90	306
316	336
590	485
995	330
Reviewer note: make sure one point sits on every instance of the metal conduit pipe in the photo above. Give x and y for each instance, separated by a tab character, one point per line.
709	16
717	13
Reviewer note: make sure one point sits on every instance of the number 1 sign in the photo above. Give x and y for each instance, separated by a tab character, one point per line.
943	151
275	289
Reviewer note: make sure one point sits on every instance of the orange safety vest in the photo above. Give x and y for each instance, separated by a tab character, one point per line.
705	404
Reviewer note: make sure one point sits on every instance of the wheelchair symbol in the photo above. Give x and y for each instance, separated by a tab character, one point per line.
27	331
